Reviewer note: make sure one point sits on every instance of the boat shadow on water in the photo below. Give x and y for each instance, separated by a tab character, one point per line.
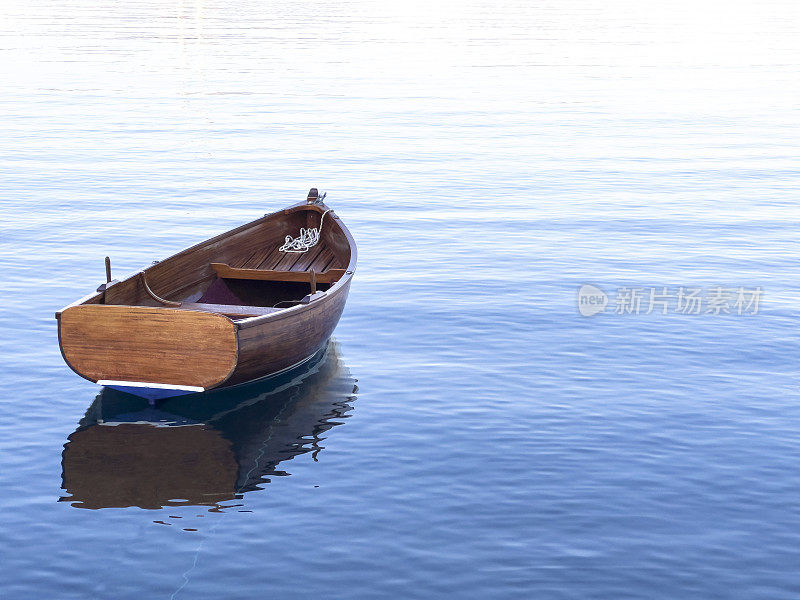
203	449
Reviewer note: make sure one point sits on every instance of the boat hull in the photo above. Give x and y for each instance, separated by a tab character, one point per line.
272	344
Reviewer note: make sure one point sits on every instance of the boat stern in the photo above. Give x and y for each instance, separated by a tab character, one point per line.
141	348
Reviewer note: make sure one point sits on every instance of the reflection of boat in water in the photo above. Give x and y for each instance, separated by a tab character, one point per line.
202	449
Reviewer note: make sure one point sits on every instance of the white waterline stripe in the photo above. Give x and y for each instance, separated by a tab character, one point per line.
158	386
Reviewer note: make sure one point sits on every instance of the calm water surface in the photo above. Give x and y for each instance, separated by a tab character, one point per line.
469	434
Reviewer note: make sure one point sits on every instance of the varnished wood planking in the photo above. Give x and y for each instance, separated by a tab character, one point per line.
152	345
307	258
334	238
241	261
322	261
273	257
287	260
229	272
260	256
188	271
277	343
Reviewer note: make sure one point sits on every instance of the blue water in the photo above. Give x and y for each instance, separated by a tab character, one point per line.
469	434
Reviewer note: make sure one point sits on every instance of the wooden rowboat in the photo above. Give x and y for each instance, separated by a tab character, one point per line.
234	308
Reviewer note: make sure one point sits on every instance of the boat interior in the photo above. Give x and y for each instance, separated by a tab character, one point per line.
243	273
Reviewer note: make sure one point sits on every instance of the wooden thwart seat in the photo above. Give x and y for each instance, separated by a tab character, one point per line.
229	310
227	272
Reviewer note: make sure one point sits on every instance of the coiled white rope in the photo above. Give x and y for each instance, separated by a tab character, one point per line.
308	238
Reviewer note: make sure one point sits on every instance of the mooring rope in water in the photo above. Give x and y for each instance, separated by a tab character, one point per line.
239	491
308	238
296	382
